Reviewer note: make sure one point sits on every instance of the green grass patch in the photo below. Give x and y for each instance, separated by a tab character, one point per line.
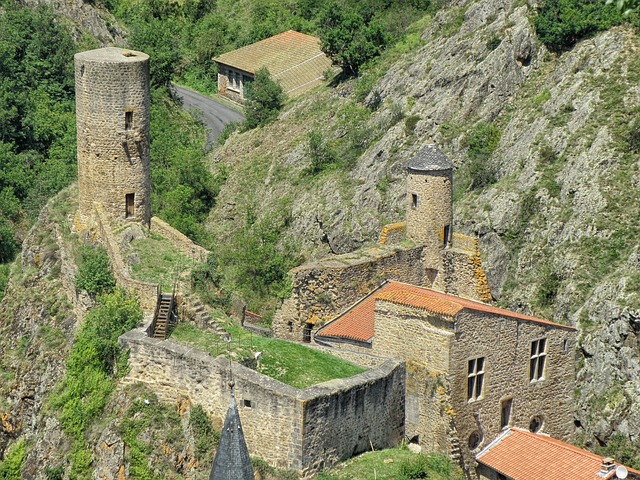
11	466
290	363
160	262
403	465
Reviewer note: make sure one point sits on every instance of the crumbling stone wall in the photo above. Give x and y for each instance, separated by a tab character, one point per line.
112	109
179	240
323	289
505	344
147	293
301	430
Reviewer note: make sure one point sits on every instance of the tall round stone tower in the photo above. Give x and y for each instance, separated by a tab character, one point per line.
112	109
430	202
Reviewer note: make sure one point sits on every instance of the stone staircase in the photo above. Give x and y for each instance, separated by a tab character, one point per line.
193	311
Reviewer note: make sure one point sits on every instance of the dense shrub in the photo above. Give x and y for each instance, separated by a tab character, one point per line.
319	152
264	100
206	438
11	466
94	274
95	359
561	23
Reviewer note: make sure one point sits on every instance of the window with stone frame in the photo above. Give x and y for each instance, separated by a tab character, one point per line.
475	379
537	360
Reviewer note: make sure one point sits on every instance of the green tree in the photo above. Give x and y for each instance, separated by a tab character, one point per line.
264	100
349	38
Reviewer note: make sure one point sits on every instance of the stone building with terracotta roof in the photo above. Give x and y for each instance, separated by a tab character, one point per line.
521	455
293	59
472	369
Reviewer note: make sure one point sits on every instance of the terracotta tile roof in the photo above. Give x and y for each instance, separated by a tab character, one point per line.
522	455
357	323
292	58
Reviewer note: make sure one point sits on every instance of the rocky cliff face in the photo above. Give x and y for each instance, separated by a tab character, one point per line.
557	214
87	18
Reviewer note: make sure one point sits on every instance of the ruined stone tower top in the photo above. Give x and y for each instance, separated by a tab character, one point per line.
112	109
430	202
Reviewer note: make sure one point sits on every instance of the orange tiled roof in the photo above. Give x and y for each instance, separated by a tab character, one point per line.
522	455
293	59
357	323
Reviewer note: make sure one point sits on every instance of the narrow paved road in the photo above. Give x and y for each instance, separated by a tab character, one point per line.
214	114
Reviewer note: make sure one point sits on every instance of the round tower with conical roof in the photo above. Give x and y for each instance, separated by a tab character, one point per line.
112	109
430	202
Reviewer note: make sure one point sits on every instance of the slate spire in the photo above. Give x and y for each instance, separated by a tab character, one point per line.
232	460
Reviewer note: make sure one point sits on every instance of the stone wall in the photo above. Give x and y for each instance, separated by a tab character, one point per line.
323	289
505	344
433	210
147	293
462	274
112	109
179	240
301	430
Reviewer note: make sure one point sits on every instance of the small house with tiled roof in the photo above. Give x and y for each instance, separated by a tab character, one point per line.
473	369
293	59
518	454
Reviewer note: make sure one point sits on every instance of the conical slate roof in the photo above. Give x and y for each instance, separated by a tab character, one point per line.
430	159
232	460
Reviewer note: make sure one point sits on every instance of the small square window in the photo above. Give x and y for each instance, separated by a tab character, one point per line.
246	403
537	360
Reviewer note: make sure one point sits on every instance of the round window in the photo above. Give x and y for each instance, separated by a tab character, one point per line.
536	424
474	440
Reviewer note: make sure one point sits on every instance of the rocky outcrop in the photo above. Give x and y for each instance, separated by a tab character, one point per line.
88	18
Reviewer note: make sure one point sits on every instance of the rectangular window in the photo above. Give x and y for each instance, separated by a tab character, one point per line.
128	120
475	379
306	335
246	403
537	359
414	201
130	205
505	413
446	235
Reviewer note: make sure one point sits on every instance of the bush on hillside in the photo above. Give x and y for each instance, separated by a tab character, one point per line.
264	100
562	23
94	274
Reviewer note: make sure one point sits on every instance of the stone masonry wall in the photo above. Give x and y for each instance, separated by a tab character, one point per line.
462	275
147	293
112	107
289	428
505	344
324	289
179	240
434	210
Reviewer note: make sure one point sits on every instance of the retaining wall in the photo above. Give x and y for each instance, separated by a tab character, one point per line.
302	430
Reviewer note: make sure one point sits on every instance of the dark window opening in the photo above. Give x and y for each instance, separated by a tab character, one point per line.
505	413
306	337
82	71
536	424
474	440
290	324
246	403
446	235
129	200
565	346
128	120
501	477
414	201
